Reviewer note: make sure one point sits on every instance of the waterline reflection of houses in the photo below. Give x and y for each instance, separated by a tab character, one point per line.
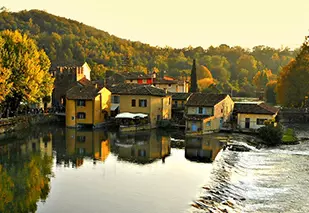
41	143
204	148
82	144
142	147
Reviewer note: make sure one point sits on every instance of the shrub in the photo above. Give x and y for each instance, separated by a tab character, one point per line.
271	133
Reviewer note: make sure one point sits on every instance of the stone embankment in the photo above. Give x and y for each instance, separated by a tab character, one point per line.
9	127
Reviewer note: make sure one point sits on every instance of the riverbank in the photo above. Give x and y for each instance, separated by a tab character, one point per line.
10	128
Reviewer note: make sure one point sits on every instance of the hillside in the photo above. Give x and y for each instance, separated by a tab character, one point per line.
69	42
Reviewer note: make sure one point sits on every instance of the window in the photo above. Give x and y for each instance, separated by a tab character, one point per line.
81	103
81	138
169	101
142	103
260	121
144	81
141	153
208	123
182	103
158	117
131	81
133	103
169	85
200	110
175	103
115	99
81	115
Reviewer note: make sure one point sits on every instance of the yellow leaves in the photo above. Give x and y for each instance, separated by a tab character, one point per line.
29	66
205	83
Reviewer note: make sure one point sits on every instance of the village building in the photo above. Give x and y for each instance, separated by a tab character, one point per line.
65	78
166	83
143	100
87	104
171	84
179	101
252	115
114	78
207	112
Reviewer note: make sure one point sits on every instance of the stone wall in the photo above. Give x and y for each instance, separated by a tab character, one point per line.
10	126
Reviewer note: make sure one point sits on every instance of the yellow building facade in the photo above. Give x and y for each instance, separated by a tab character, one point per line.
207	112
157	108
251	116
87	105
146	99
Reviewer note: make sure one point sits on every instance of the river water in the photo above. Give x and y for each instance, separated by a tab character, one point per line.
54	169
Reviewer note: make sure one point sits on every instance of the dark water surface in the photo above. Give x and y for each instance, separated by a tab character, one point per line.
64	170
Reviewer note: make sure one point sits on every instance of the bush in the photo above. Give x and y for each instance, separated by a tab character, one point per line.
271	133
289	136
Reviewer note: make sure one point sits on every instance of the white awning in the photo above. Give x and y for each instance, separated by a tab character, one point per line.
131	115
114	107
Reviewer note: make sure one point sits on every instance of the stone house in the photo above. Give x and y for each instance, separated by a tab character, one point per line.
207	112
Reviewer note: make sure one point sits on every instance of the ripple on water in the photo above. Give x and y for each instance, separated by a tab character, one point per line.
267	180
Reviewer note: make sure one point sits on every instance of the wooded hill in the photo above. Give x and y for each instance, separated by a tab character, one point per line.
68	42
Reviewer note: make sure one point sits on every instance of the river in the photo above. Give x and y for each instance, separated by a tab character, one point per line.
54	169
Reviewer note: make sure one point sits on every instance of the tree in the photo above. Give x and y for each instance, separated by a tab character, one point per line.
292	87
194	86
249	63
270	92
5	86
203	72
30	80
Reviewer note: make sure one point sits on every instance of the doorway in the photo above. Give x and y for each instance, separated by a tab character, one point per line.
247	123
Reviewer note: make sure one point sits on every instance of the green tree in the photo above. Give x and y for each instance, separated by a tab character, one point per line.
194	86
292	86
30	78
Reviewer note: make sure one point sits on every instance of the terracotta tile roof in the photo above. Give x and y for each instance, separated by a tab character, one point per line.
83	90
255	108
180	96
84	81
137	89
205	99
197	117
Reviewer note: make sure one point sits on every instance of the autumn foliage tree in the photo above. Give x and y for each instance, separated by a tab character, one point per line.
292	86
26	69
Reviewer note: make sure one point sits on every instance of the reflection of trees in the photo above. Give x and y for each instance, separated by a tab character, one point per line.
24	180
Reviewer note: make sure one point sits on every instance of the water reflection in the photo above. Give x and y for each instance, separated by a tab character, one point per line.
25	172
204	148
142	147
80	144
26	168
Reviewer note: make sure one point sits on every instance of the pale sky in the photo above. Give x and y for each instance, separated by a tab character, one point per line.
180	23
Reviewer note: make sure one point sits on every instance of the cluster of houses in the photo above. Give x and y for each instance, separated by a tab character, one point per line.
141	101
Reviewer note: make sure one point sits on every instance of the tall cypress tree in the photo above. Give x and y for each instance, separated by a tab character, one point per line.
194	87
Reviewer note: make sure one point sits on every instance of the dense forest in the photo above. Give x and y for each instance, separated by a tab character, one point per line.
225	69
